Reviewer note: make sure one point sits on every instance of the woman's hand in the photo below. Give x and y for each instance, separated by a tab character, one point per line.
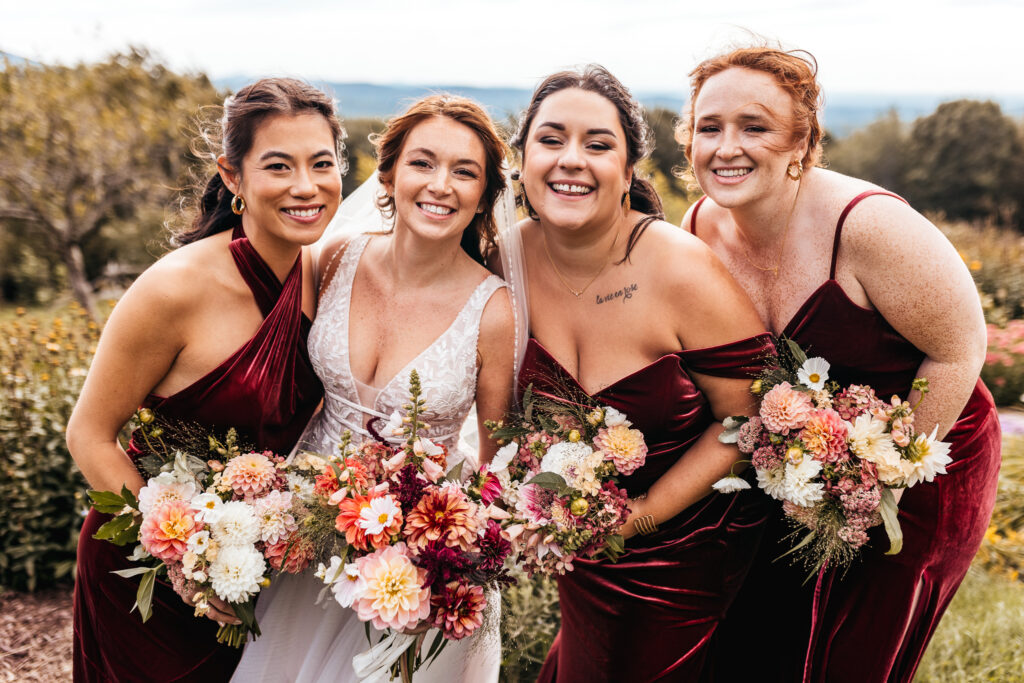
219	611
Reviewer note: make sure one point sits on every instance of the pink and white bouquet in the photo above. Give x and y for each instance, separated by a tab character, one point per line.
558	471
216	527
407	546
832	455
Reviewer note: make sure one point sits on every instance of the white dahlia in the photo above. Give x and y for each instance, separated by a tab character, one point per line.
237	525
799	487
869	441
574	462
274	512
773	482
236	573
164	487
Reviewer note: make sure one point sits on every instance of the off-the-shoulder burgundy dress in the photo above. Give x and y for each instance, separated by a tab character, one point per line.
266	390
650	616
874	623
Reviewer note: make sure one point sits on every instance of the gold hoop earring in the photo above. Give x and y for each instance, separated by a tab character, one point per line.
795	170
237	205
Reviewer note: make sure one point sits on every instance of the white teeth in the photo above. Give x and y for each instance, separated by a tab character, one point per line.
572	189
439	210
731	172
302	213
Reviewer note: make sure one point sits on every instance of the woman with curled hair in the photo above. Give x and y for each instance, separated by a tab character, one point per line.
212	335
853	274
644	318
403	291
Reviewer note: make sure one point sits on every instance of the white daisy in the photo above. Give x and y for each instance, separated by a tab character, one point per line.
237	525
929	458
208	506
378	515
813	373
730	484
236	573
198	542
349	587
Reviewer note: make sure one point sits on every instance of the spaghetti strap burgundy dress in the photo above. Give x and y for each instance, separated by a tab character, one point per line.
268	391
650	616
873	623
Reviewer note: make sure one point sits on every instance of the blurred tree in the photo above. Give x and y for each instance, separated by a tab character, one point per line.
90	146
359	150
667	161
967	160
877	153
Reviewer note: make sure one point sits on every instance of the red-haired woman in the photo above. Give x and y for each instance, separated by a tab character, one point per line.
853	274
414	297
214	334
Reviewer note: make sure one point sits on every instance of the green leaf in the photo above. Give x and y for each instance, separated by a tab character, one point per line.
616	543
129	497
798	354
455	473
550	481
108	531
435	648
107	502
890	512
246	612
144	598
134	571
806	540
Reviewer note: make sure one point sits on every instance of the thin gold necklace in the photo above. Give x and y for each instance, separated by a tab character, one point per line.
782	246
578	293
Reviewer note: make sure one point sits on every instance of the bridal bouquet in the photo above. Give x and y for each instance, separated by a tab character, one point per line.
833	455
557	473
406	546
216	527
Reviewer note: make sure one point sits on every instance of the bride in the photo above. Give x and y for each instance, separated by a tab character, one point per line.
415	297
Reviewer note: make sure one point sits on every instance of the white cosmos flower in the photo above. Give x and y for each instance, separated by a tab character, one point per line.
932	456
162	488
613	418
799	489
813	373
349	587
503	457
300	487
773	482
198	542
378	515
237	525
329	574
730	484
236	573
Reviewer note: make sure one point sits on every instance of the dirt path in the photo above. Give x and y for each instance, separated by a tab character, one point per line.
35	637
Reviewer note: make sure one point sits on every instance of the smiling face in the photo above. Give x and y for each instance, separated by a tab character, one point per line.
575	168
438	179
289	179
742	144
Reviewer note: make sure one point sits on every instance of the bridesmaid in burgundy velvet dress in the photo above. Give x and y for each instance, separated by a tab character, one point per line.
854	275
642	317
213	334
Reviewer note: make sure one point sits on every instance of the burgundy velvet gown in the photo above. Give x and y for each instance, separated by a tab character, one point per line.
650	616
873	623
266	390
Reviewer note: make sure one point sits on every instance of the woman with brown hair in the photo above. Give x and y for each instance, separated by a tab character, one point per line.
414	296
213	334
854	275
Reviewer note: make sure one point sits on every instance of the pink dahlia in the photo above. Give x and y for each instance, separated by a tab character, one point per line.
824	435
291	555
394	596
444	512
784	410
459	610
249	474
166	529
623	446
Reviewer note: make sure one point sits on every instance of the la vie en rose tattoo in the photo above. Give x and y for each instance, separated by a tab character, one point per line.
624	294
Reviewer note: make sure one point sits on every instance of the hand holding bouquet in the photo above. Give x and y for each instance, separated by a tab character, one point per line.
833	455
558	472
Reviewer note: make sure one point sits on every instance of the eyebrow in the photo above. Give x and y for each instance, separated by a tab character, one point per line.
288	157
430	153
590	131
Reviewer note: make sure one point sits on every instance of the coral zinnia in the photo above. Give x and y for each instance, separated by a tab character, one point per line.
291	554
459	610
394	596
443	513
166	529
350	513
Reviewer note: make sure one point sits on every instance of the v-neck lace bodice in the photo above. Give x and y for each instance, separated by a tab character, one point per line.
447	368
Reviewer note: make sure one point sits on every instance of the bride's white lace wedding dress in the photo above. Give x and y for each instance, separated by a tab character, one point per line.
306	642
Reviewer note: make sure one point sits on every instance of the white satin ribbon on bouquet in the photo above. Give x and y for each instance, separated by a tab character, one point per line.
374	665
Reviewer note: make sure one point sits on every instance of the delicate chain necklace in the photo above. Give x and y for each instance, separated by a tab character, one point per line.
782	245
578	293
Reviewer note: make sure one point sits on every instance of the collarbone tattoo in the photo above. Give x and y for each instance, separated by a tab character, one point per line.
624	294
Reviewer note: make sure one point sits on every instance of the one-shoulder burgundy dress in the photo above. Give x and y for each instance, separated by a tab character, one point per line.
650	616
266	390
873	623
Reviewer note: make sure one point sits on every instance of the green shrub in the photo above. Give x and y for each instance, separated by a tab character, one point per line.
529	622
42	368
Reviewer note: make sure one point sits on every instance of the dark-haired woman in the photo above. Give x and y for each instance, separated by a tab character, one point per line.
214	334
416	296
856	276
642	317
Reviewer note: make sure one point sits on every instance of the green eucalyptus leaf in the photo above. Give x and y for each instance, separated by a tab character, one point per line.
550	481
455	473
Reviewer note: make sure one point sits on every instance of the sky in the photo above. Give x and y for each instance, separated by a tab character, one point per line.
943	47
